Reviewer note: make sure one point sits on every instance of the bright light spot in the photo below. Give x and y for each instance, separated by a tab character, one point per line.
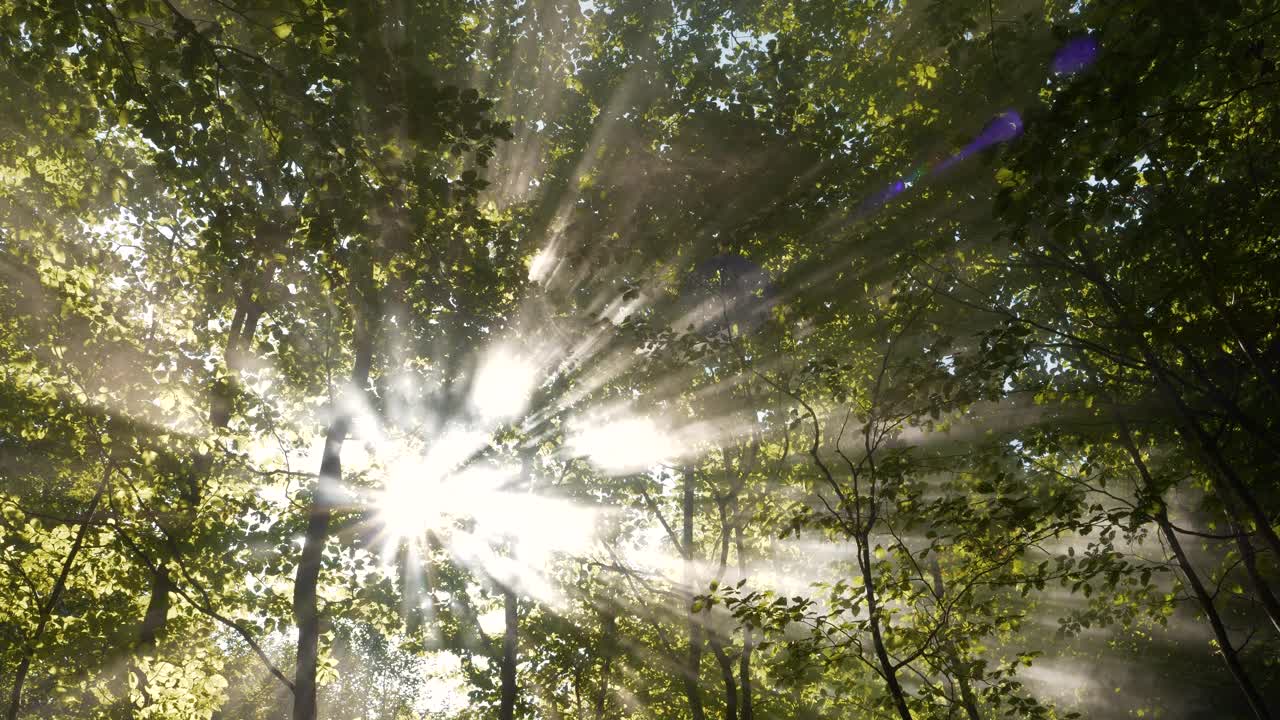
494	519
422	490
538	526
405	509
492	622
444	690
624	446
541	265
503	384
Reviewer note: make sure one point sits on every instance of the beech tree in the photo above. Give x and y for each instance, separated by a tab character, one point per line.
559	359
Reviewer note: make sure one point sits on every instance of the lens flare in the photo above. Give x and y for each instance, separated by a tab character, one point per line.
624	446
541	265
503	384
1002	128
1075	55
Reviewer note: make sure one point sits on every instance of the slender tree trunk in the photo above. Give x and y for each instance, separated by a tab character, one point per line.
577	691
239	342
1242	338
59	586
1229	496
1228	483
607	641
511	615
510	641
1233	410
713	640
967	699
157	608
748	640
693	669
1249	557
243	326
305	608
887	669
1235	490
726	674
1229	654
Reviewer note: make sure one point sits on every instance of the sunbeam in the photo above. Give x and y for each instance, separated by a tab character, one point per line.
559	359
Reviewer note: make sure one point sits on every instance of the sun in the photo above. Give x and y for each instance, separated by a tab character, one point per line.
407	509
424	489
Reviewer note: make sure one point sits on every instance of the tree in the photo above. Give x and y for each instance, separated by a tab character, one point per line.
462	358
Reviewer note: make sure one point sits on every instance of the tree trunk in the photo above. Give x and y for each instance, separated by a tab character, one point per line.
1228	483
24	665
692	671
157	608
1243	341
726	674
305	610
507	709
243	326
1249	557
1229	653
748	641
887	669
607	641
220	404
1247	553
967	699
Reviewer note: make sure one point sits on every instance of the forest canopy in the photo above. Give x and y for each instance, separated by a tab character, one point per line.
797	359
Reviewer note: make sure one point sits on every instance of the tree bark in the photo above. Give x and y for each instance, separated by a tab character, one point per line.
510	640
1229	654
748	641
157	608
1227	482
1243	341
887	669
59	586
305	610
243	326
692	671
1249	557
1236	489
1234	493
607	641
967	699
726	674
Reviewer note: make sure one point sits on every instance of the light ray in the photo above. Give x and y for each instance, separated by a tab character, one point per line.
628	445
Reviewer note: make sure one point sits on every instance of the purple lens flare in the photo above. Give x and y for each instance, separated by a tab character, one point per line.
1075	55
884	195
1002	128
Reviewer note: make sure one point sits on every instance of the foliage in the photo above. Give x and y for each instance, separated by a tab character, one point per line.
544	358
